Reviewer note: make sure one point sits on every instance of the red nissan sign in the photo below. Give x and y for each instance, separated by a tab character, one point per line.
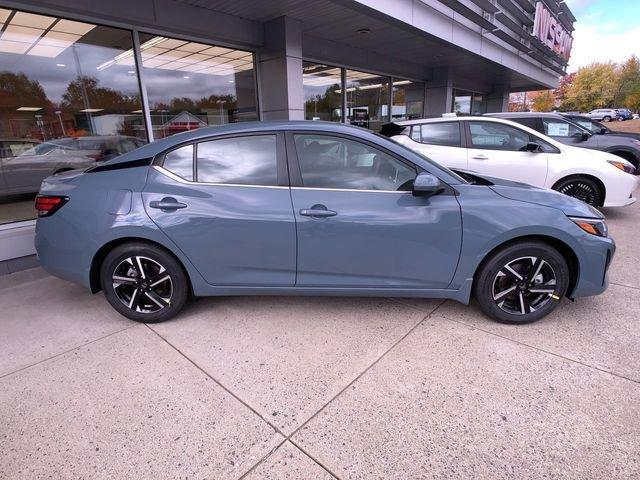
550	31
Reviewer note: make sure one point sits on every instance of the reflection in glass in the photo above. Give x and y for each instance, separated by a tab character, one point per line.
60	107
322	95
367	99
408	100
462	102
180	162
333	162
239	160
191	85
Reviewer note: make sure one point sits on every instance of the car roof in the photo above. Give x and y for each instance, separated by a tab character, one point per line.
524	114
406	123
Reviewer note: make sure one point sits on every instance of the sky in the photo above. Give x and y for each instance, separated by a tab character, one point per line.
604	30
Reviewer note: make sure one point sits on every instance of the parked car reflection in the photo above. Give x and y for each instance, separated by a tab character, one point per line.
23	171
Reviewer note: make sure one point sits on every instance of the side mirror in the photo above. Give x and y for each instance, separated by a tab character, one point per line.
584	136
603	131
532	147
427	185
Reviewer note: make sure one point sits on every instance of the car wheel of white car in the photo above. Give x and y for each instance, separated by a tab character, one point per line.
581	188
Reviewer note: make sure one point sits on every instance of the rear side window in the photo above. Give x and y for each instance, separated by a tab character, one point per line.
441	133
527	122
180	162
248	160
497	136
559	128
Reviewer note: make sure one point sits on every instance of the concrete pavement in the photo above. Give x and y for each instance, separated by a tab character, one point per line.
321	387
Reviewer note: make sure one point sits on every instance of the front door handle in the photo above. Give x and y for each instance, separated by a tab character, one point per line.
167	203
318	211
480	156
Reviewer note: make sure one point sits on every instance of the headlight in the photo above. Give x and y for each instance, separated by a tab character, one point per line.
624	166
593	226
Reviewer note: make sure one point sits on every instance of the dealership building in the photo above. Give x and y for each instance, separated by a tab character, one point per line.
83	81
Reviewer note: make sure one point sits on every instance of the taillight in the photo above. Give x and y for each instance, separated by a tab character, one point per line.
47	205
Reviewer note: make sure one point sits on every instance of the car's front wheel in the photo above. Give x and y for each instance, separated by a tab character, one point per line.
144	282
522	283
581	188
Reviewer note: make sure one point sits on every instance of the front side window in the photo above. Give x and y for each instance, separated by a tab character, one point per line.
559	128
441	133
180	162
335	162
496	136
247	160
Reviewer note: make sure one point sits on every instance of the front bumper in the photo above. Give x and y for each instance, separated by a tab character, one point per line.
593	266
621	194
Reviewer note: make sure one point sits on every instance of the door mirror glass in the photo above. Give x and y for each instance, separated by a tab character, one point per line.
427	185
584	136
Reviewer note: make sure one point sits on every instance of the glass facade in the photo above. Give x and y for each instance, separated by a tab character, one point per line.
60	107
367	99
468	103
191	85
70	96
408	100
322	92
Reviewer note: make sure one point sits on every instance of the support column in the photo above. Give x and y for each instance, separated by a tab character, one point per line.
498	99
280	64
439	97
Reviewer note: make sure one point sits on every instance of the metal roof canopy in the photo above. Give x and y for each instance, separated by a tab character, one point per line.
338	22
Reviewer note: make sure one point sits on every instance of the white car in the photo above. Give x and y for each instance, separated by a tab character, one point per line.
509	150
603	114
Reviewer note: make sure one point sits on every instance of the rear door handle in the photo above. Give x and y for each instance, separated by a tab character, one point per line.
318	211
480	156
167	204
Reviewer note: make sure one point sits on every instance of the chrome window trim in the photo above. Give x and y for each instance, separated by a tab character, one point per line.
175	177
403	192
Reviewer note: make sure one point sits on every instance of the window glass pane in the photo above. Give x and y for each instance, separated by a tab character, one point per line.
559	128
441	133
333	162
192	85
180	162
367	99
69	98
497	136
240	160
462	102
322	92
528	122
408	100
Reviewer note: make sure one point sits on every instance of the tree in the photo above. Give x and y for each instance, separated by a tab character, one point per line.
543	101
560	93
594	86
96	97
628	80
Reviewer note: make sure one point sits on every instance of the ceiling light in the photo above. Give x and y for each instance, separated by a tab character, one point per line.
92	110
186	76
60	65
230	81
28	109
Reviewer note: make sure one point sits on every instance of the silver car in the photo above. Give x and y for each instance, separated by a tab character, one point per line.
603	114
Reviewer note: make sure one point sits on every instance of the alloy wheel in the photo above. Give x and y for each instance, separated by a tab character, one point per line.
582	191
142	284
524	285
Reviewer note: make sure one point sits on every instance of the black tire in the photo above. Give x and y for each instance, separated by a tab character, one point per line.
582	188
160	293
537	298
606	118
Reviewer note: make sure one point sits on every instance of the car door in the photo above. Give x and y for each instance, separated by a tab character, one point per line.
441	142
225	203
499	150
358	224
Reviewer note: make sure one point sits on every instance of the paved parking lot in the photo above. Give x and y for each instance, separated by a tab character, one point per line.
307	388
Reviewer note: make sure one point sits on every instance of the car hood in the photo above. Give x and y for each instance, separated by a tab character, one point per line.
523	192
614	133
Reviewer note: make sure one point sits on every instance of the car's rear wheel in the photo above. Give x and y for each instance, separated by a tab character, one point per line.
581	188
144	282
606	118
522	283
